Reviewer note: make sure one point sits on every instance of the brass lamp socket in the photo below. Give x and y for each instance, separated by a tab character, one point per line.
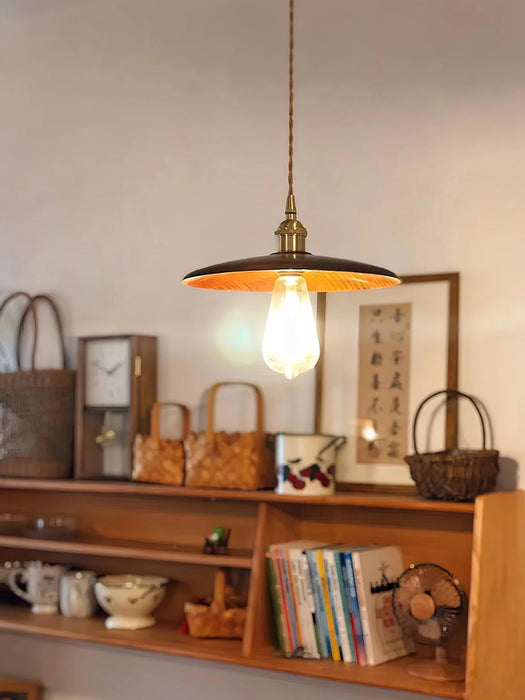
292	234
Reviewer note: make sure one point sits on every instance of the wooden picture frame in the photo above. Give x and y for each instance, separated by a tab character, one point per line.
19	690
338	334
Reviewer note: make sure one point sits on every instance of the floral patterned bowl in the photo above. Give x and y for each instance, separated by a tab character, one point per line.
129	599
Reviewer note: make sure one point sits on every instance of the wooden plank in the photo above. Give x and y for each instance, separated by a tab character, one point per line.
345	498
496	650
164	638
136	518
258	619
422	536
132	550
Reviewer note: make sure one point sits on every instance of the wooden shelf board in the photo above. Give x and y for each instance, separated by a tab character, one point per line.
392	675
240	559
344	498
164	638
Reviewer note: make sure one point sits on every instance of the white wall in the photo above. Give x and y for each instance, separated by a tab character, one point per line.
143	138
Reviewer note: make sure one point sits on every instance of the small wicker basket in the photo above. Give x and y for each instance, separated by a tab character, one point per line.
453	474
160	460
216	620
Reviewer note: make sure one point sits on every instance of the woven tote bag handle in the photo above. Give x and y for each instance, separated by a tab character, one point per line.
210	425
32	305
450	393
155	419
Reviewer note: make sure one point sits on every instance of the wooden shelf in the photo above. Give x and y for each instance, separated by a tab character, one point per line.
344	498
164	638
128	524
392	675
241	559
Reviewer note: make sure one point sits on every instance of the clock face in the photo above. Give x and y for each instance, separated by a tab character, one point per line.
108	372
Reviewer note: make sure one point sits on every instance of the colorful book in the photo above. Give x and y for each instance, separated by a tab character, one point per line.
350	632
353	608
376	571
289	605
311	602
334	645
300	585
294	612
277	603
353	601
323	637
336	603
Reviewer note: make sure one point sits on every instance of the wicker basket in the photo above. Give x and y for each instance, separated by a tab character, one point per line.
36	411
230	460
216	620
160	460
453	474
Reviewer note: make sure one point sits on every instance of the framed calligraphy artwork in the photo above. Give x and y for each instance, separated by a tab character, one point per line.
382	352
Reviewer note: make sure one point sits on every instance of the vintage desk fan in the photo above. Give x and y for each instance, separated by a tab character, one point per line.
428	603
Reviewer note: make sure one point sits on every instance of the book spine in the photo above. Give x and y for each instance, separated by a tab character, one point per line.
343	591
323	636
337	606
354	610
287	632
289	563
288	597
275	595
310	603
363	608
303	621
336	654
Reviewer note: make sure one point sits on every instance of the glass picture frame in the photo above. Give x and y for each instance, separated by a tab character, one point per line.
434	305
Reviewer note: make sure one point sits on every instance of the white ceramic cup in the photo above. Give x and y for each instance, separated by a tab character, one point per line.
306	463
77	594
42	582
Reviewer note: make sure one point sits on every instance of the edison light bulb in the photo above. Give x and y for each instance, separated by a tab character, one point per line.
290	343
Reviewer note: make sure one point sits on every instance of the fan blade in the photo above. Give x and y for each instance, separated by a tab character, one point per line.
430	631
445	593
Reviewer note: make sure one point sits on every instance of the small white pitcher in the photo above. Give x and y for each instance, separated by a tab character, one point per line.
306	463
77	594
42	582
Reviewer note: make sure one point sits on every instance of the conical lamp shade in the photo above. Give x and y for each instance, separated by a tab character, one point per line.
322	274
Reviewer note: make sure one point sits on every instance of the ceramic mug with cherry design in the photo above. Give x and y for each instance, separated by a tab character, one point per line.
306	463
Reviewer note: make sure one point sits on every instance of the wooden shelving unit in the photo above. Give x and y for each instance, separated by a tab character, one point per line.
142	528
238	559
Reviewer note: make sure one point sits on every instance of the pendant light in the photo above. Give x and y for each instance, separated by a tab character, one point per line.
290	344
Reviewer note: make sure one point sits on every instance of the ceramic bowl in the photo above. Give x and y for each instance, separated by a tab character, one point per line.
129	599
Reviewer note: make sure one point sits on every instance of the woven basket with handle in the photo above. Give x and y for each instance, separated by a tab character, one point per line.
216	619
230	460
454	474
36	409
160	460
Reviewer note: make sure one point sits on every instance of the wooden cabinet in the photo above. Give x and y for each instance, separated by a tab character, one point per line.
140	528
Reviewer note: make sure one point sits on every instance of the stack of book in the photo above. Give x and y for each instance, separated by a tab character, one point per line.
335	601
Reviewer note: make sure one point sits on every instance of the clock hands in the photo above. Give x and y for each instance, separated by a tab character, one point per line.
110	371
